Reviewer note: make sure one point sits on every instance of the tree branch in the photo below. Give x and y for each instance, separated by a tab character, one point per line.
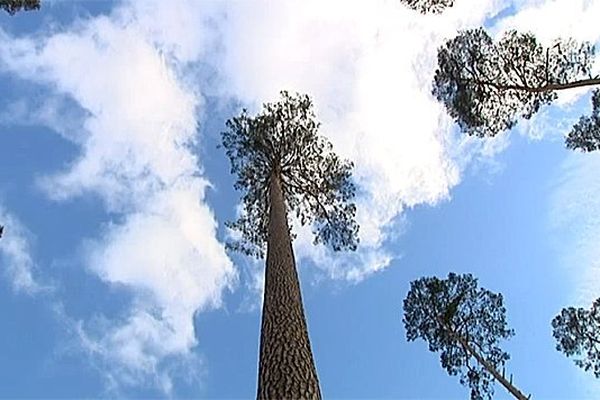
549	87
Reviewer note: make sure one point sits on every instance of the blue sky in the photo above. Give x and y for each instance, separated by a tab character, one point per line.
115	280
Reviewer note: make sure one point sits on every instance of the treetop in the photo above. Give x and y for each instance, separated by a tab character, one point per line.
577	332
450	314
585	134
12	6
282	142
487	85
428	6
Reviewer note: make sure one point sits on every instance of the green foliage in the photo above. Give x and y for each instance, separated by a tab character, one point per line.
577	332
445	311
428	6
585	134
486	86
12	6
283	140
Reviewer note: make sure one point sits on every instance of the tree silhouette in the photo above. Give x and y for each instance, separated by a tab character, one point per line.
487	86
465	323
428	6
585	134
284	167
12	6
577	332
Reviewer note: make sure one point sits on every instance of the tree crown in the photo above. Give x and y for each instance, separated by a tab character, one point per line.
486	86
282	142
428	6
12	6
577	332
585	135
445	311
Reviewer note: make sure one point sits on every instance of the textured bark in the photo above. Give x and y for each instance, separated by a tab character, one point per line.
286	367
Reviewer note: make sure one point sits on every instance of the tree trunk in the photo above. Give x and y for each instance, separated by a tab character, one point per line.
500	378
286	366
489	367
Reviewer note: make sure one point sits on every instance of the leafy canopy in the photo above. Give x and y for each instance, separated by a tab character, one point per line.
486	85
428	6
585	134
12	6
282	141
447	313
577	332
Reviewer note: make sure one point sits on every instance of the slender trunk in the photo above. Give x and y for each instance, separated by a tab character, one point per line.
490	368
286	366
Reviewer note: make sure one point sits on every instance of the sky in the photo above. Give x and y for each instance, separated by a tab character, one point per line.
114	277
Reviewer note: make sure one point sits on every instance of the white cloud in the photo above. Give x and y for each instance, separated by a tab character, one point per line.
58	113
167	254
555	18
15	251
369	67
124	71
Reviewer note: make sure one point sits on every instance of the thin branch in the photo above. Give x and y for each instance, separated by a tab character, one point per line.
549	87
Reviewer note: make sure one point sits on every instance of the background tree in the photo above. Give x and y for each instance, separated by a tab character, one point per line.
465	323
577	332
428	6
585	134
12	6
284	167
487	86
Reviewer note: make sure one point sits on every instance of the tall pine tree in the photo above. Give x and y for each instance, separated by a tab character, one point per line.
465	323
284	167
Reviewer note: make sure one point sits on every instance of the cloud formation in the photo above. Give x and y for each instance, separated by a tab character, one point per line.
139	126
15	252
369	67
